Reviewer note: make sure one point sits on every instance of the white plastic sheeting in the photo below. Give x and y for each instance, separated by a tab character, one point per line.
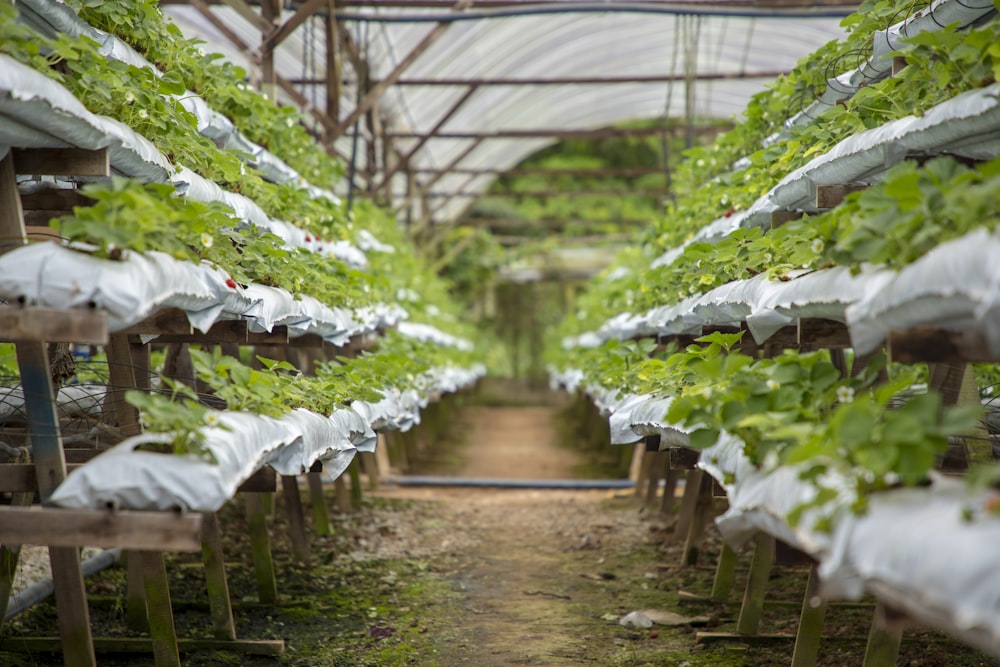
241	443
956	286
925	551
429	333
47	274
967	125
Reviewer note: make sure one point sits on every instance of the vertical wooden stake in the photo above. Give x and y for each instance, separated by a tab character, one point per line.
658	461
296	518
10	555
883	640
71	606
370	468
753	596
321	517
135	597
382	462
636	467
343	495
702	511
267	586
724	571
161	617
692	488
810	630
669	489
219	603
354	471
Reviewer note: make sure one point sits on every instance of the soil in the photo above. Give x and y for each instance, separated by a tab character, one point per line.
487	576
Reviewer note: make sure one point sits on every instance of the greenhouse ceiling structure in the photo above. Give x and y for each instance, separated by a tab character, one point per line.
427	101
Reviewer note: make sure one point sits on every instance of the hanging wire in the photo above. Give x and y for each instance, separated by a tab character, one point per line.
664	140
362	39
706	102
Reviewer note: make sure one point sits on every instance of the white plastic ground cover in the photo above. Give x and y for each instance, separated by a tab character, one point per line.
956	286
130	290
77	400
940	14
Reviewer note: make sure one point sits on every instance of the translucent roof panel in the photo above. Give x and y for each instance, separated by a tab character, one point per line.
508	59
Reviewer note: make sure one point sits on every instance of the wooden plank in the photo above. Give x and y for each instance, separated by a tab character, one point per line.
700	518
263	480
225	331
898	64
54	199
12	234
277	336
684	458
830	196
782	218
21	478
62	162
935	345
53	325
212	556
161	616
162	322
165	531
302	14
725	571
10	555
111	645
308	340
321	517
820	333
71	605
884	638
136	618
689	502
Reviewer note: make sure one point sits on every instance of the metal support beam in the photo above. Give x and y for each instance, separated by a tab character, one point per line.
404	161
375	92
554	133
302	14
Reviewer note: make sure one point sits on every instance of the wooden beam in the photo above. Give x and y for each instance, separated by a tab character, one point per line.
53	325
166	321
54	199
153	531
935	345
830	196
820	333
224	331
263	480
227	32
62	162
277	336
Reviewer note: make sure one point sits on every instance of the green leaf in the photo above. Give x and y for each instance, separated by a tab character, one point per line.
703	438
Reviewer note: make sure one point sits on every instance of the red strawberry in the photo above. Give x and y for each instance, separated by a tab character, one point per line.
308	239
230	283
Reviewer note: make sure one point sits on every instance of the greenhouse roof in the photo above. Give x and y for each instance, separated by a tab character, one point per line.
462	92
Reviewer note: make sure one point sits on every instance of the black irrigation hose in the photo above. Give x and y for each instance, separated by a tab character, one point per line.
41	589
574	484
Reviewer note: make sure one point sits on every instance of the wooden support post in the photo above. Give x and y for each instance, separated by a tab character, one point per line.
260	542
753	595
669	489
343	495
724	571
810	630
370	468
700	517
321	517
10	555
136	618
883	640
12	233
219	604
382	461
122	374
689	501
830	196
635	468
355	473
296	518
161	617
71	607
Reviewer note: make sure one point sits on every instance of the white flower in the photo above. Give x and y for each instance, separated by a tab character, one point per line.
129	97
817	246
290	122
771	460
143	114
699	163
845	394
768	257
201	52
241	86
207	240
211	418
724	201
773	384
